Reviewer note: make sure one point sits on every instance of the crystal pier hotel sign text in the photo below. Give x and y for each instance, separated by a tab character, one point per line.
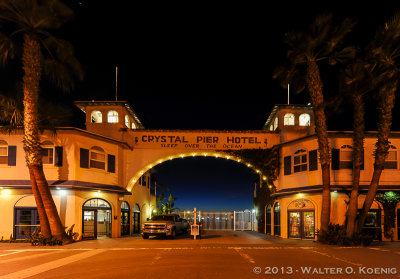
202	140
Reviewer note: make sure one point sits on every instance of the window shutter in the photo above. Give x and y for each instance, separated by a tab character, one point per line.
12	155
84	158
287	165
58	156
335	158
313	160
111	163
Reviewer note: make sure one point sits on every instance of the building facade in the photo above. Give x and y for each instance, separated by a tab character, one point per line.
296	210
87	171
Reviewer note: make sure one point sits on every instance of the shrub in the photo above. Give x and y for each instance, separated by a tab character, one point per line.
336	235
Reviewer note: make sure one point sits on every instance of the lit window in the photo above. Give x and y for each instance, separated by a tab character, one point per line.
127	121
48	153
304	119
97	158
300	161
112	116
133	126
3	152
96	116
346	157
288	119
391	159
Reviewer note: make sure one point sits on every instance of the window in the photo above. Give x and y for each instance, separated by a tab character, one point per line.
391	159
127	121
300	161
288	119
3	152
96	116
48	153
304	119
346	157
133	126
112	116
97	158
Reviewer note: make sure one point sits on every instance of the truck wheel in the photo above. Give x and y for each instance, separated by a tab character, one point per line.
145	236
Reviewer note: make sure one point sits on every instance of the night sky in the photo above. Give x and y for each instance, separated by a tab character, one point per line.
196	66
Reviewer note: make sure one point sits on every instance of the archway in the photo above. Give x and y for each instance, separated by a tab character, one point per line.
96	218
301	219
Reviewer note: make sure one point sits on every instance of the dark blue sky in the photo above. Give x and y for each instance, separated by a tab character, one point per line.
208	183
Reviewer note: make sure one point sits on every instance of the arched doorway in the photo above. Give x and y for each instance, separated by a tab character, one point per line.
301	219
125	218
277	219
136	218
96	216
268	219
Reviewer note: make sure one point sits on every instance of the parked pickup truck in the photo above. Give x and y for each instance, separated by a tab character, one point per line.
164	225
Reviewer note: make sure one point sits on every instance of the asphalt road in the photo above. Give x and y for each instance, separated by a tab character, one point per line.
217	255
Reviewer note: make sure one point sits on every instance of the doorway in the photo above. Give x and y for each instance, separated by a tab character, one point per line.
96	219
136	218
125	222
301	224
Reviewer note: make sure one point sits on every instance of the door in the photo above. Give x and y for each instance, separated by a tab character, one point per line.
89	223
398	224
136	222
294	225
301	224
125	222
372	224
103	223
26	221
308	224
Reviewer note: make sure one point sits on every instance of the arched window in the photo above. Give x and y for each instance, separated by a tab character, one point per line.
391	159
268	219
277	219
97	158
112	116
48	152
288	119
304	119
96	116
98	203
3	152
346	157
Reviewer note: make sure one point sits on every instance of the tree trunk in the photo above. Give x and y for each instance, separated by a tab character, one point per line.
358	150
315	86
44	222
32	71
385	106
57	228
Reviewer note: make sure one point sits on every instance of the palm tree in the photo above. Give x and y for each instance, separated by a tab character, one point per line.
306	50
385	56
27	24
357	82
